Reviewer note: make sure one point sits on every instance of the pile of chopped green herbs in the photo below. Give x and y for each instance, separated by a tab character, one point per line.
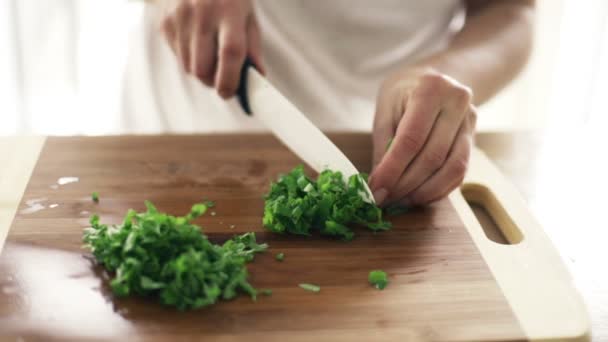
298	205
378	279
310	287
159	255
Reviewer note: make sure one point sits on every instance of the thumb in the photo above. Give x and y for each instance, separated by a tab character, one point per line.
382	139
382	136
383	131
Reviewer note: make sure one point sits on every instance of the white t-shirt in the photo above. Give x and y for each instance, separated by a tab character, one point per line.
327	57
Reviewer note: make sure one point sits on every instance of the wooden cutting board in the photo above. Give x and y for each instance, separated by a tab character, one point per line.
448	281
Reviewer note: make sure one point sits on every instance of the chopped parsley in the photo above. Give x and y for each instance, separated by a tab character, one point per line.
298	205
159	255
95	197
280	256
310	287
389	143
395	210
378	278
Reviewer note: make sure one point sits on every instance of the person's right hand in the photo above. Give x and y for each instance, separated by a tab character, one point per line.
211	39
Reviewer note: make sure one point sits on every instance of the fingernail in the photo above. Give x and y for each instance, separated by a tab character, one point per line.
380	195
370	180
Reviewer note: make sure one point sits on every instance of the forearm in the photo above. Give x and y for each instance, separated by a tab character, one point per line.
491	49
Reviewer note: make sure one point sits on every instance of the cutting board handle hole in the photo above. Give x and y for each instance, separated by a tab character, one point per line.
493	218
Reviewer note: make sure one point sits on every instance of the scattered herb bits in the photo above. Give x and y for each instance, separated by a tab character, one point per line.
389	143
280	256
310	287
395	210
266	292
298	205
95	197
378	278
159	255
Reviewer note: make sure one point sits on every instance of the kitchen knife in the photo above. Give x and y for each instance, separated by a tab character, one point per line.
258	96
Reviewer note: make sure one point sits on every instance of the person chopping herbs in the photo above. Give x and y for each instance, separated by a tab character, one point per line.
413	71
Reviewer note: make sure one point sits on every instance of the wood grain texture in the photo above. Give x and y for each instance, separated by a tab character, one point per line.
441	288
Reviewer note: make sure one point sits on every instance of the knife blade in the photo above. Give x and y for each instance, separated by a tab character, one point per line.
259	97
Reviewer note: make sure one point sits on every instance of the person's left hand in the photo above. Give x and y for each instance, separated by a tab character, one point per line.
432	119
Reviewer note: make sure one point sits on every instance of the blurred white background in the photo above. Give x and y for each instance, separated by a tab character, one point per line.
62	62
